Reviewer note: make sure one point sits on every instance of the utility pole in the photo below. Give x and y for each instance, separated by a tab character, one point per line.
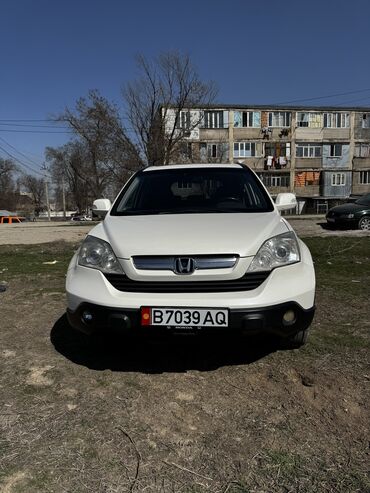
45	169
64	198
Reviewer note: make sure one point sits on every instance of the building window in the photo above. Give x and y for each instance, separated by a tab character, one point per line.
362	150
275	180
250	119
338	179
185	151
184	120
366	120
279	119
312	120
277	149
308	150
364	177
213	119
212	151
335	150
244	149
336	120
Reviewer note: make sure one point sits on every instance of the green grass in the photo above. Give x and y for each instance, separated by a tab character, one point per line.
26	260
342	267
342	264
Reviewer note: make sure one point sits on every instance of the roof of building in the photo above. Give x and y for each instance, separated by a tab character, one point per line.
280	107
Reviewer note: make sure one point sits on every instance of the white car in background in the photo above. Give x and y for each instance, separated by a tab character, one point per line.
193	248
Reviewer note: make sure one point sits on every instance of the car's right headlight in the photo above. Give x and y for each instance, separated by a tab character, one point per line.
98	254
278	251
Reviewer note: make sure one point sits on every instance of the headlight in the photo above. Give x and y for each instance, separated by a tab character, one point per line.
98	254
276	252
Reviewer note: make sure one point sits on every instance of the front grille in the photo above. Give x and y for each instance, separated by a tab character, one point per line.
245	283
168	262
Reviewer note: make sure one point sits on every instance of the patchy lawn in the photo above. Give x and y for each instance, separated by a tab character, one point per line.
184	415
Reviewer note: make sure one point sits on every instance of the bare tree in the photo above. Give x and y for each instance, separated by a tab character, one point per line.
70	169
36	187
165	88
7	184
108	152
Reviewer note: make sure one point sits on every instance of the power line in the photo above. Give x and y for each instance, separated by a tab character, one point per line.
355	100
19	152
29	125
20	162
324	97
24	120
35	131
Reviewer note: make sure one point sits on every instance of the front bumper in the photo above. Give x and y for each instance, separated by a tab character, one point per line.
341	221
248	321
260	309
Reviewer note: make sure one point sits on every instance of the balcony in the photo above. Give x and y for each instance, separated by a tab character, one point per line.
308	163
336	134
307	191
361	163
214	134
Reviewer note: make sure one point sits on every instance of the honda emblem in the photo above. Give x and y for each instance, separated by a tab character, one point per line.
184	265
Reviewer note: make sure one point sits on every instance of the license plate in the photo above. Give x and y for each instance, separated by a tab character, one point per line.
330	220
184	317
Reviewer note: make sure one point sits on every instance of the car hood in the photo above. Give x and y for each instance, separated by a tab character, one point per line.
186	234
347	208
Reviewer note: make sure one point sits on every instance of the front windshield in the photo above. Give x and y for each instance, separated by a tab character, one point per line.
193	190
365	200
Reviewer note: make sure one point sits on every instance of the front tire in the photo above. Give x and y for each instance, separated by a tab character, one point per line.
296	341
364	223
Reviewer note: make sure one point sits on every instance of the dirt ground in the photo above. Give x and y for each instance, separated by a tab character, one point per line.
184	415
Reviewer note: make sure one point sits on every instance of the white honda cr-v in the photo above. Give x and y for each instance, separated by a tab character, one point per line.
196	248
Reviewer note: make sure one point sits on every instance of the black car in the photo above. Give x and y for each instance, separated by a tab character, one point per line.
352	214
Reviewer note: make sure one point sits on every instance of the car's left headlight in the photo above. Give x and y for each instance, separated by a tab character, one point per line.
276	252
98	254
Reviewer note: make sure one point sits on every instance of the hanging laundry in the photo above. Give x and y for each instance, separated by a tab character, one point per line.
309	176
270	160
282	161
300	179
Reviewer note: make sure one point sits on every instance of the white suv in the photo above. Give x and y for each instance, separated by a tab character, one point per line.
193	248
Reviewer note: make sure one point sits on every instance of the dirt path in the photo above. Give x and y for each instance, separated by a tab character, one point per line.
39	232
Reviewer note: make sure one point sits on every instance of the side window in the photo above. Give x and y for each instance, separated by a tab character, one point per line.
5	220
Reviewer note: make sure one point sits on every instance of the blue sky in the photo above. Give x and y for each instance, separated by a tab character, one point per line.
52	52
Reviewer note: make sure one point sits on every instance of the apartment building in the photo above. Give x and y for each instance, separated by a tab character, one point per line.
322	154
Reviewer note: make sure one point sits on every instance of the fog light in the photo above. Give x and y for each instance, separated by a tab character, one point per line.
87	316
289	317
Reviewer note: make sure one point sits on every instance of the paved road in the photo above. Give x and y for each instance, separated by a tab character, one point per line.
44	232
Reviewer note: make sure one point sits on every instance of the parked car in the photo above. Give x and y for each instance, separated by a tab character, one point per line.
193	248
353	214
81	218
11	219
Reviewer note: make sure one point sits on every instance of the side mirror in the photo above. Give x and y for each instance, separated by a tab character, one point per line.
101	207
285	201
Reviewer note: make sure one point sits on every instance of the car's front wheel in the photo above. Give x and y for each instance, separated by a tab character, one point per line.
296	341
364	223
